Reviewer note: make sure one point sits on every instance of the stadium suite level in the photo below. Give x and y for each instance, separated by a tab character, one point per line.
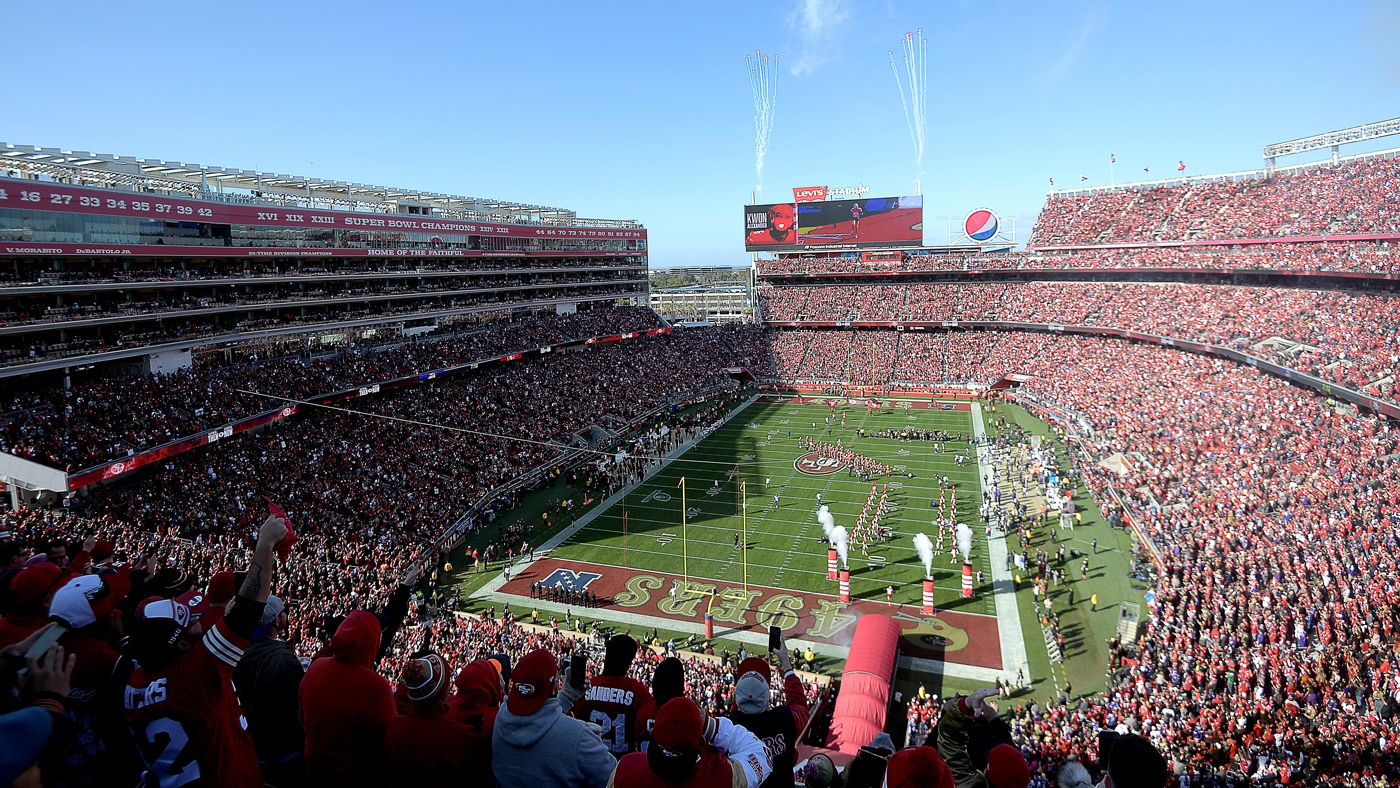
100	274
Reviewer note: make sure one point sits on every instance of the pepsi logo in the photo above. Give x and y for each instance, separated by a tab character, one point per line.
981	224
817	464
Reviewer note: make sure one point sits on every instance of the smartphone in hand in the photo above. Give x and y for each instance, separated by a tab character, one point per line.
578	670
775	639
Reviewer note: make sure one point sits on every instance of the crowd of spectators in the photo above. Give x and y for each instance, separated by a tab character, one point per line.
110	418
1354	197
1270	653
1271	647
1369	257
1344	337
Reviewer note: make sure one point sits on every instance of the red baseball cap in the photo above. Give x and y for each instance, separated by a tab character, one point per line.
676	738
32	585
532	682
102	550
679	728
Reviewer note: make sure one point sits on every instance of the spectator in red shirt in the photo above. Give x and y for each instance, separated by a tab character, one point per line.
30	593
426	747
180	702
346	707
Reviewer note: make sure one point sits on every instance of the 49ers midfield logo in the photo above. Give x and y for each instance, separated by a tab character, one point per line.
817	464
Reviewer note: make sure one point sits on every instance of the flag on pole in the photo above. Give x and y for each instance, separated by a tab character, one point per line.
1112	159
1083	177
1144	169
1052	181
1180	166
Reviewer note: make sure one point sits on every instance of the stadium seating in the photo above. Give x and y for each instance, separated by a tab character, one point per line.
108	418
1365	257
1355	197
1347	338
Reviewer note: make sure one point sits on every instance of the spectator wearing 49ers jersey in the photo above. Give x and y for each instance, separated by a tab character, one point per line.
777	727
180	702
614	699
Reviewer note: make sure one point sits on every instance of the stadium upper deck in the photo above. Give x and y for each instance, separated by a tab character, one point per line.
109	257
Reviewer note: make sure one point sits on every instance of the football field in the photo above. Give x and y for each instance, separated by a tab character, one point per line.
758	558
784	541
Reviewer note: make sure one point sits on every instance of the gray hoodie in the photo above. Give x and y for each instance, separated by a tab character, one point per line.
548	750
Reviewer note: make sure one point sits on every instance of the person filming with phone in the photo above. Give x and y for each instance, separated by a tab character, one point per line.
776	726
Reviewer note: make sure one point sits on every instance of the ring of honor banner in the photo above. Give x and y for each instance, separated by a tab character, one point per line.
835	224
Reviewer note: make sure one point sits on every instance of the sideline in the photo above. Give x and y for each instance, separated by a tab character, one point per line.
1013	640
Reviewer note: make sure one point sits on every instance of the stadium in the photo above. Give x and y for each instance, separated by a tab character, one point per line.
336	460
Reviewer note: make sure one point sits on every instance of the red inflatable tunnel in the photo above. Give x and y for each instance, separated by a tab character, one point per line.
864	700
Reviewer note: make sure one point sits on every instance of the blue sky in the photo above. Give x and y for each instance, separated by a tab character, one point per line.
642	110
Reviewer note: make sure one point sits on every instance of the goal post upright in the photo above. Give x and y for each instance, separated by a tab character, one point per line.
744	520
685	548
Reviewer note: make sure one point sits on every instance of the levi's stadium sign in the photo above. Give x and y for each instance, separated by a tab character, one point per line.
823	193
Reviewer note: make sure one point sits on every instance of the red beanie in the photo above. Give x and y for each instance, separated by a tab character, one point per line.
918	767
1007	767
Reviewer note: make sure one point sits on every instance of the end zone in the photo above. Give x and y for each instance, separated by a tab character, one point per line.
644	597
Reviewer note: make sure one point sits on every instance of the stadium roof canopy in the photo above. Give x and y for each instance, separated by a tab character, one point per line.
250	186
1332	139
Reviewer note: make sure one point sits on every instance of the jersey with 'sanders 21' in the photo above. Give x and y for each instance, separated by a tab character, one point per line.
613	702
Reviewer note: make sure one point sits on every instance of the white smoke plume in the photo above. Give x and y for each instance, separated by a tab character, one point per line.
925	547
965	540
828	522
838	541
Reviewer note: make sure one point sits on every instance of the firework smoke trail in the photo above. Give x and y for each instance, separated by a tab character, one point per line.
763	82
925	547
916	102
839	541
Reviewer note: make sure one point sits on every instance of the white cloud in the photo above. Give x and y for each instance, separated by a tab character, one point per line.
816	21
1097	14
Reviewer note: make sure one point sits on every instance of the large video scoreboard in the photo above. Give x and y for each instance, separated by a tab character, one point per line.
858	223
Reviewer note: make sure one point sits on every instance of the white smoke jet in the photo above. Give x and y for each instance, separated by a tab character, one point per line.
838	541
827	521
965	540
916	102
925	547
763	83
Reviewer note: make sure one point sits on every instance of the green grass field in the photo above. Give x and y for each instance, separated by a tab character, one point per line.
784	548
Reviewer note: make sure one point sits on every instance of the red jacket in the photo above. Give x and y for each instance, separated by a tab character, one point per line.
712	771
14	628
477	699
346	707
432	751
